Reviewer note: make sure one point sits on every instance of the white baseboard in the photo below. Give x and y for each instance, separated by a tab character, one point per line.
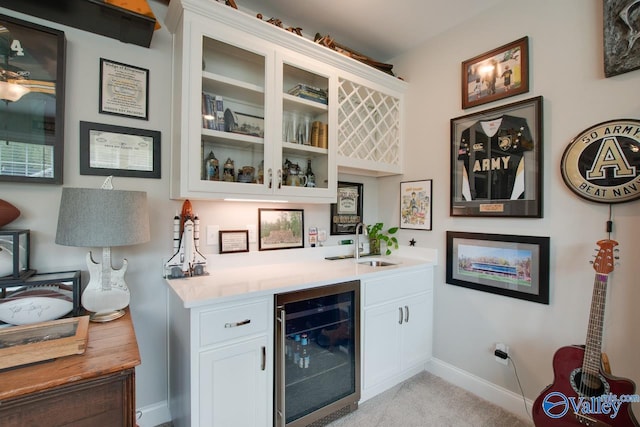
497	395
153	415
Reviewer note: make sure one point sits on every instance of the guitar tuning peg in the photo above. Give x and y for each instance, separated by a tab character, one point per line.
591	262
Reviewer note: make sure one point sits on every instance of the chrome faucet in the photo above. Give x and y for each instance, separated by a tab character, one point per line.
363	227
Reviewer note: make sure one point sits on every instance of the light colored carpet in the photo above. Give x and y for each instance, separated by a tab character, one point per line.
426	400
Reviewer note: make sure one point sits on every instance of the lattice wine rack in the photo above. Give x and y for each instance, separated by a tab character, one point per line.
368	124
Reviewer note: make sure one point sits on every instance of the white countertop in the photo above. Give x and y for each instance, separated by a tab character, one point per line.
235	276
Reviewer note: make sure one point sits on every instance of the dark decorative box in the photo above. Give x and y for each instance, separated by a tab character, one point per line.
14	255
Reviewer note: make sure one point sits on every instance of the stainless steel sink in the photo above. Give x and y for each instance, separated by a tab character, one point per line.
376	263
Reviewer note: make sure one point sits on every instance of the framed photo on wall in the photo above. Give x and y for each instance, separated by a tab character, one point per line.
496	161
347	212
497	74
415	204
31	102
513	266
280	229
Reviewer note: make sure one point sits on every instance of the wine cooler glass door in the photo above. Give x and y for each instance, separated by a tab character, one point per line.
318	341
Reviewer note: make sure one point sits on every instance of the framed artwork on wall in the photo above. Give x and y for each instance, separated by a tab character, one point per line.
415	204
513	266
496	161
347	212
119	151
497	74
32	109
621	36
124	90
280	229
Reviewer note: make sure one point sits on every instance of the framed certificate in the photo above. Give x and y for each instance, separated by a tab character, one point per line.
119	151
124	90
234	241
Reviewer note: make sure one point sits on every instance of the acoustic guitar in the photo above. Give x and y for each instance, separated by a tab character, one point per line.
583	393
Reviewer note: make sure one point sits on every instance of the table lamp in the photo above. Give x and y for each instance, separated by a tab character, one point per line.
103	218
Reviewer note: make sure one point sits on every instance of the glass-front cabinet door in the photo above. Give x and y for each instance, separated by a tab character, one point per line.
233	154
306	127
257	123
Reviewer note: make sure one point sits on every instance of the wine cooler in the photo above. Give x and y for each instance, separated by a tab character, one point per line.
317	354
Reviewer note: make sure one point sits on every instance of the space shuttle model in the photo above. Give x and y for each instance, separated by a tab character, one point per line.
186	260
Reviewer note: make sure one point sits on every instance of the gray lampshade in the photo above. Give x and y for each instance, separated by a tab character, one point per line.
94	217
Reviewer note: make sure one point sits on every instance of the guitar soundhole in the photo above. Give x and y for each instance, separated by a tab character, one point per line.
588	385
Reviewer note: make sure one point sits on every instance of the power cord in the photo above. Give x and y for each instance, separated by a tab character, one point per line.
524	400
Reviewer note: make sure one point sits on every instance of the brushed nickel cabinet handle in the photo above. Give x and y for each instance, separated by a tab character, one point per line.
236	324
400	318
263	364
270	173
406	314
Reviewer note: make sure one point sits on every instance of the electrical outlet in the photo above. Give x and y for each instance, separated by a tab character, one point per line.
502	347
212	235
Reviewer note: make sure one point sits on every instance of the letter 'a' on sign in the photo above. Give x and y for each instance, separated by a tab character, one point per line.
602	163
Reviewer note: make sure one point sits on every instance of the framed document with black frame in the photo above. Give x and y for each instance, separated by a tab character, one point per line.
496	161
119	151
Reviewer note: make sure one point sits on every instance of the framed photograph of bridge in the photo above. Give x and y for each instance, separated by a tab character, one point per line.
508	265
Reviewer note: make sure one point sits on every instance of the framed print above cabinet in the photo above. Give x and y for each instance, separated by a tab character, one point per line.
32	102
496	161
497	74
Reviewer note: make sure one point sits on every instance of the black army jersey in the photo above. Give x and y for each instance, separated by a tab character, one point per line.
492	152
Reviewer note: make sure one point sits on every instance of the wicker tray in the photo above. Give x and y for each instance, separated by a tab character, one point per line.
21	345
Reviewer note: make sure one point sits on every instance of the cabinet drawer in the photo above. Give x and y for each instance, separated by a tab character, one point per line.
233	322
386	288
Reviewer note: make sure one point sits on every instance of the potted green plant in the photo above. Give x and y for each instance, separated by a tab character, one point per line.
378	235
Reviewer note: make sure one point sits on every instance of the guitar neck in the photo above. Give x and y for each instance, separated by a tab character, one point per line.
106	269
603	265
593	347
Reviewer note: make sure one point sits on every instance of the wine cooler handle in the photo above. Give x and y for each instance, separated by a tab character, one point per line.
281	389
406	314
236	324
270	173
400	318
263	363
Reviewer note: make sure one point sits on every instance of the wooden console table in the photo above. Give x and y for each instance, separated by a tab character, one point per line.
96	388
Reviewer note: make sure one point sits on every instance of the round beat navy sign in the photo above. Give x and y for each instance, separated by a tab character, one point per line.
602	164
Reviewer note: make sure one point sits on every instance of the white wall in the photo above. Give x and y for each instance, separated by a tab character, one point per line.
566	68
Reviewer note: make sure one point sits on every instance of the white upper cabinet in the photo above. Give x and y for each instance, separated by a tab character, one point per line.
261	113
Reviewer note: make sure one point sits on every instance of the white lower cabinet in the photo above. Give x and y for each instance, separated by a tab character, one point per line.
233	383
221	363
397	328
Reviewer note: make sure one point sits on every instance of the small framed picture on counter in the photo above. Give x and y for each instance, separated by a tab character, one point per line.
232	241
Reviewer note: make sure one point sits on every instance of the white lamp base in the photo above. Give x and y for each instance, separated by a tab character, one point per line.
106	317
